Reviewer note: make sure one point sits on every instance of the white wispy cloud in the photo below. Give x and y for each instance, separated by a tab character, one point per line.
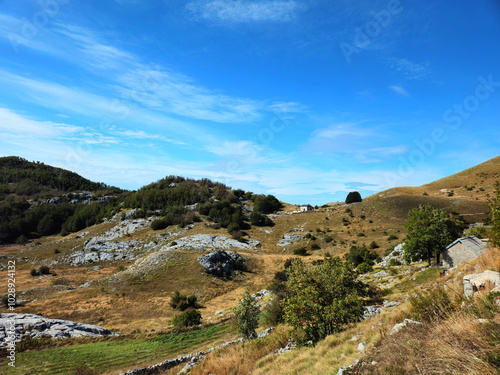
399	90
244	11
16	124
353	139
175	93
141	134
410	69
97	54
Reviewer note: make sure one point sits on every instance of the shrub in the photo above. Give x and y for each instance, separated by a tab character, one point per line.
392	237
364	268
246	314
188	318
358	255
353	197
260	220
479	231
182	302
34	272
374	245
44	270
315	246
361	235
233	227
159	224
394	263
300	251
328	239
57	251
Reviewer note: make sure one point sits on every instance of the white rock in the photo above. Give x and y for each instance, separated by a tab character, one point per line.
398	327
476	282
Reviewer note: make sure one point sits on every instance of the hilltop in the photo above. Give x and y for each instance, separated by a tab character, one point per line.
24	178
119	261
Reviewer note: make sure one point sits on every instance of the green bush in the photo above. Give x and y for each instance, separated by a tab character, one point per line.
188	318
353	197
300	251
182	302
159	224
260	220
44	270
364	268
392	237
331	294
374	245
394	262
315	246
361	254
328	239
34	272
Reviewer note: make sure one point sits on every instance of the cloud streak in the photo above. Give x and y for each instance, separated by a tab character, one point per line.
245	11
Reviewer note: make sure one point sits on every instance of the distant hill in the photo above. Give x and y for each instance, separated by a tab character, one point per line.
465	193
473	183
25	178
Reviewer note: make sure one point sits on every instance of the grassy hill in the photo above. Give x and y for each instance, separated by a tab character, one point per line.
112	294
24	178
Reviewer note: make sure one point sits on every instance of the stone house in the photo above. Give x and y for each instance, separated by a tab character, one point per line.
306	208
463	250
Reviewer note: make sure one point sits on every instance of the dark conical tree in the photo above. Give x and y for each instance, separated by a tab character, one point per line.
353	197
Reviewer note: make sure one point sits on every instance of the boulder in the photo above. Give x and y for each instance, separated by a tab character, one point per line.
480	281
398	327
219	262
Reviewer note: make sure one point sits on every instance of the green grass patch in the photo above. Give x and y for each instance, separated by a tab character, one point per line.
114	353
420	278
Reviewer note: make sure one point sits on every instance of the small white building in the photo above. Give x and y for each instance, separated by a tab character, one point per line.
306	208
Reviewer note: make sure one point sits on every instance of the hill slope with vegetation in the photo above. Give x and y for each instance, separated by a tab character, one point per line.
135	253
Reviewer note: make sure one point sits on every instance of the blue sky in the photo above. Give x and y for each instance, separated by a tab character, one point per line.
306	100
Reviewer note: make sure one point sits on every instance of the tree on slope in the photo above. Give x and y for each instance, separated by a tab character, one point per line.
322	299
246	314
429	231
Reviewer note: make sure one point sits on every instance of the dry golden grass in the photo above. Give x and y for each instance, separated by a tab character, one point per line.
490	260
459	345
241	358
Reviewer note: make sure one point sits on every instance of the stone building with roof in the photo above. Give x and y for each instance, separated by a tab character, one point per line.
463	250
